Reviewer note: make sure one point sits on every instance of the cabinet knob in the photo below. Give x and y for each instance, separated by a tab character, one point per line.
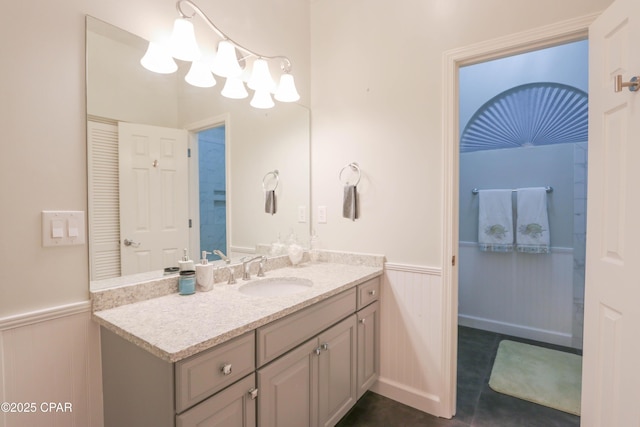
372	292
324	347
253	393
363	320
226	369
317	351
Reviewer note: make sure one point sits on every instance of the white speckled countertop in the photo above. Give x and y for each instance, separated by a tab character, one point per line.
174	327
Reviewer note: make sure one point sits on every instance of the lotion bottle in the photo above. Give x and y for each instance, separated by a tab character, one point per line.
185	264
204	274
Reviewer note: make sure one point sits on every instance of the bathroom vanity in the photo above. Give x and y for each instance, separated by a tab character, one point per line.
225	358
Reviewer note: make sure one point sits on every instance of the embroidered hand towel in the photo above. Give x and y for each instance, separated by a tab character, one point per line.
270	202
350	203
495	221
532	225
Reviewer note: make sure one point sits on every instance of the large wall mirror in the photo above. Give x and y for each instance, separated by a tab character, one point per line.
214	199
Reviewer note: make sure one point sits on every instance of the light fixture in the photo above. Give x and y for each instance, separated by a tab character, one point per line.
183	46
200	75
261	76
262	99
158	60
234	88
226	62
183	43
286	91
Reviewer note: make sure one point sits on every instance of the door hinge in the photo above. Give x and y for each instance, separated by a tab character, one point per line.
189	152
190	223
453	260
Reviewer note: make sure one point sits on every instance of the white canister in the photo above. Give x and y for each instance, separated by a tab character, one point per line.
204	274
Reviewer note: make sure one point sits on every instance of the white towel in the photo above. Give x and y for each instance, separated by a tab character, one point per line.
495	221
533	223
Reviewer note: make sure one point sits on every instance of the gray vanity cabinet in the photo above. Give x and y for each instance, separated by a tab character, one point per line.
305	369
312	385
142	390
232	407
368	347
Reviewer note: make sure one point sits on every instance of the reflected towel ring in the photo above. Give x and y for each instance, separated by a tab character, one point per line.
276	174
355	168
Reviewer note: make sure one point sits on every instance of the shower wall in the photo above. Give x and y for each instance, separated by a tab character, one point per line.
537	296
527	295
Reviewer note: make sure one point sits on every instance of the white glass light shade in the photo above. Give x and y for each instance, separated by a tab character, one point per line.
262	99
226	62
200	75
158	60
234	88
183	41
261	77
287	89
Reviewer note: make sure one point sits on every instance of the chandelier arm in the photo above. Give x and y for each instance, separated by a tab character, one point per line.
286	63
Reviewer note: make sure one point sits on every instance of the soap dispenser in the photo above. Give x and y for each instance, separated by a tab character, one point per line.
185	264
204	274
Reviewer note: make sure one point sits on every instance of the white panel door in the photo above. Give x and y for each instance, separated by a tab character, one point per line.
153	196
611	376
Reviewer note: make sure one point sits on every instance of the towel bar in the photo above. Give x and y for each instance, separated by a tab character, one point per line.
276	175
355	168
548	188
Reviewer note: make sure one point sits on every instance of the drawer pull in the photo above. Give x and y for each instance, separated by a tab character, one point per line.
226	369
324	347
253	393
372	292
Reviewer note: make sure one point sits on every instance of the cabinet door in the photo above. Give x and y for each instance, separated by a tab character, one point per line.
287	389
368	347
337	372
232	407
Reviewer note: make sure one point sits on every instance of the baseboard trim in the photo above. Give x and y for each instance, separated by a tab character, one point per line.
544	335
409	396
29	318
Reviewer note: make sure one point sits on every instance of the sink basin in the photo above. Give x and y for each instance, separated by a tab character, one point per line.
276	286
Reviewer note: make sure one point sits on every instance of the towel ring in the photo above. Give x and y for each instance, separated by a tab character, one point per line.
276	174
355	168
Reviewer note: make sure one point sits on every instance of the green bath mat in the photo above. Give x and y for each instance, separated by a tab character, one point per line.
548	377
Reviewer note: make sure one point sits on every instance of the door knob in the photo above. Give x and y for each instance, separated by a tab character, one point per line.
129	242
632	84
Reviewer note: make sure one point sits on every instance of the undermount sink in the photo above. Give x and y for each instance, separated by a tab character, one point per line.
276	286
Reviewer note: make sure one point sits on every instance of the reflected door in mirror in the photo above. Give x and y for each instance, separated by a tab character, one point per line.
154	195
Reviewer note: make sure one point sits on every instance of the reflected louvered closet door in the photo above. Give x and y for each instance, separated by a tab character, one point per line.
104	210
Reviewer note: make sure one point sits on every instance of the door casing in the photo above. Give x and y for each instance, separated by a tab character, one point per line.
539	38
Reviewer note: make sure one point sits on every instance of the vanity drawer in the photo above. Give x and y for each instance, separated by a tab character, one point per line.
368	292
282	335
199	376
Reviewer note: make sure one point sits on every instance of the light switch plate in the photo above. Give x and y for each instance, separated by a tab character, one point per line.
322	214
63	228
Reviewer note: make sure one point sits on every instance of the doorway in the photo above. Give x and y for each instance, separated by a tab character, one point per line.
555	34
525	126
212	191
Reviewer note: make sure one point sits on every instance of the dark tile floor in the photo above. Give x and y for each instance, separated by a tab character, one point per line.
478	405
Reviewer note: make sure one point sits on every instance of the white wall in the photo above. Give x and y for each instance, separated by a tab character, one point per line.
376	99
43	167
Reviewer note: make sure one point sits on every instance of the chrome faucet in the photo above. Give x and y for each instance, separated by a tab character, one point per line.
225	258
232	278
246	265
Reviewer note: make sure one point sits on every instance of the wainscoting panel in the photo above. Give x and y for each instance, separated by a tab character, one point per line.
51	357
526	295
411	337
